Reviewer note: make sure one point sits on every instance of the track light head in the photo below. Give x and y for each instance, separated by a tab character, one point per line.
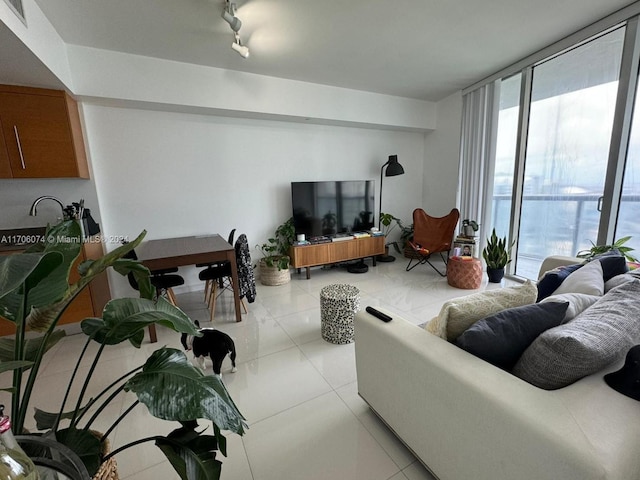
242	50
233	21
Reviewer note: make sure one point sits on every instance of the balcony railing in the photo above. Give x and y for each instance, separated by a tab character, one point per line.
560	225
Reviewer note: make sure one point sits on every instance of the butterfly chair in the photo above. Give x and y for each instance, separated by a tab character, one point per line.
162	280
432	235
207	285
221	273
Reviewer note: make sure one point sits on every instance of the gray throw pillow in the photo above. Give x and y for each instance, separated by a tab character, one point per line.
599	336
501	338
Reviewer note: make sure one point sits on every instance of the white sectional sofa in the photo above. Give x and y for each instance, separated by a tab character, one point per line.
466	419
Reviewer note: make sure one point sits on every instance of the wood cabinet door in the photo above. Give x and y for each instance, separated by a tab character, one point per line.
5	166
38	135
368	247
342	251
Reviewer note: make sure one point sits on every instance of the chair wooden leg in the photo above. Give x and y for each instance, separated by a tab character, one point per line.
172	297
153	337
213	294
207	285
244	307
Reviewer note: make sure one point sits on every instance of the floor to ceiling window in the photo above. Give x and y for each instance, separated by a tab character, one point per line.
628	224
573	98
553	153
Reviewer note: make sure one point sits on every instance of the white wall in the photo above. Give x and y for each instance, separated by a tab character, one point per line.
182	174
442	157
181	149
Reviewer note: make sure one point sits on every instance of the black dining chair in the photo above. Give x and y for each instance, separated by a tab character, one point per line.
221	274
207	285
163	280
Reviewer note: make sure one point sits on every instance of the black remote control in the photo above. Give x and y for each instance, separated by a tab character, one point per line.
380	315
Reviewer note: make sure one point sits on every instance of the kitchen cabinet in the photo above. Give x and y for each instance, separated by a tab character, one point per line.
89	302
41	134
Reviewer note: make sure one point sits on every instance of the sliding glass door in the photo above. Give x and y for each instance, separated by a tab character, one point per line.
628	215
560	169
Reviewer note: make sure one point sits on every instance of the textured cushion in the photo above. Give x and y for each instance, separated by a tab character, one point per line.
460	313
578	303
501	338
602	334
613	263
553	279
618	280
587	279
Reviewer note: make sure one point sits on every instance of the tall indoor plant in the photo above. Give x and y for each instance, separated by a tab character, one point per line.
35	292
388	223
275	261
496	255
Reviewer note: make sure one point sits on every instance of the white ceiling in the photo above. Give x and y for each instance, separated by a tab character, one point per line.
423	49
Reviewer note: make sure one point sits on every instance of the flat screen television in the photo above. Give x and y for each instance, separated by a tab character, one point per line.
332	208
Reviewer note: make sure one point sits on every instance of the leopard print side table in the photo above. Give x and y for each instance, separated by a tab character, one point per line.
338	305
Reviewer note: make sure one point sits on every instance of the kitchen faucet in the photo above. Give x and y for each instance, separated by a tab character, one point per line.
33	211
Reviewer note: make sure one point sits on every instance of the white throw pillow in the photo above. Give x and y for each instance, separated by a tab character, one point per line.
587	280
578	303
458	314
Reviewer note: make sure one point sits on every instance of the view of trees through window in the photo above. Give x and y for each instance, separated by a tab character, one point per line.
571	114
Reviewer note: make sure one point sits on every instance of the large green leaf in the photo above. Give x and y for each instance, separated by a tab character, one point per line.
46	420
25	270
64	238
6	366
15	269
173	389
141	274
192	456
84	444
7	346
125	318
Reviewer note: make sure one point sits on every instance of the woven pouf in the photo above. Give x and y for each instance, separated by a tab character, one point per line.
338	305
464	272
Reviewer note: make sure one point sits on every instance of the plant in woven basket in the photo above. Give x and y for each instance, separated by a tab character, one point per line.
35	292
275	250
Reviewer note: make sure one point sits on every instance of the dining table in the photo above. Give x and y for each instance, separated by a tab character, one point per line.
164	253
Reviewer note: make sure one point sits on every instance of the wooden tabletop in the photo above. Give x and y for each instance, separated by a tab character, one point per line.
180	251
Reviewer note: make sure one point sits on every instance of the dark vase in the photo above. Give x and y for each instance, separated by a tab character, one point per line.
495	274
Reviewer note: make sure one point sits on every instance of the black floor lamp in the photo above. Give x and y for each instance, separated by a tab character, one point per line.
393	168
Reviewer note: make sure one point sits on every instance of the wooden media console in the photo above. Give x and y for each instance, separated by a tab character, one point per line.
307	256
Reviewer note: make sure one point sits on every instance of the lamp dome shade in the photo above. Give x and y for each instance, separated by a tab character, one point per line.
393	167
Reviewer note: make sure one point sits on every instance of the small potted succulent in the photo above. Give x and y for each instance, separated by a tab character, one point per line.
497	255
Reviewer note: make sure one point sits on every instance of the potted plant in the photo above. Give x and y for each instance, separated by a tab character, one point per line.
35	292
274	265
406	236
497	255
469	227
617	245
389	222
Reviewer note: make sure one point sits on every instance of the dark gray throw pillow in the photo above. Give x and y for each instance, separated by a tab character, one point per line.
599	336
501	338
613	263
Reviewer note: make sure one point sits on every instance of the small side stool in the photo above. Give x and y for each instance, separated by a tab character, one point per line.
464	272
338	305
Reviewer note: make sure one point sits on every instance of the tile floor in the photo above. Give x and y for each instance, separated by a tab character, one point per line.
298	392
